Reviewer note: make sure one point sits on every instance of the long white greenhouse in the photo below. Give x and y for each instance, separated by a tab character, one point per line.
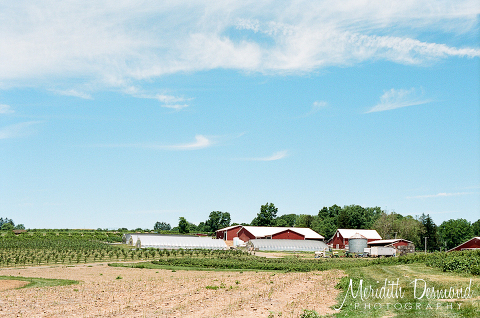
287	245
173	241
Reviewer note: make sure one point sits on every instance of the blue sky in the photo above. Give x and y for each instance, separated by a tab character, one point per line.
120	114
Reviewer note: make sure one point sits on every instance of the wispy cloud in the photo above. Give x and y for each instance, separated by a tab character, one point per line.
5	109
397	98
17	130
113	44
168	101
199	143
440	195
74	93
276	156
316	106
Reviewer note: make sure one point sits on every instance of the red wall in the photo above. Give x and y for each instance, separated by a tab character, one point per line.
475	243
245	236
338	240
401	243
231	233
288	235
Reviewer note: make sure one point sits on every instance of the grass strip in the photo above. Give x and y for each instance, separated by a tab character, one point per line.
40	282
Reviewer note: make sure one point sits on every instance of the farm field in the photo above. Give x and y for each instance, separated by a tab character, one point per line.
106	291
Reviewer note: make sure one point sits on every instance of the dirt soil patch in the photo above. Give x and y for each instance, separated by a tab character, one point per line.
11	284
129	292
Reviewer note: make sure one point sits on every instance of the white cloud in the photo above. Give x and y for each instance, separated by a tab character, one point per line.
17	130
5	109
440	195
316	106
397	98
115	43
199	143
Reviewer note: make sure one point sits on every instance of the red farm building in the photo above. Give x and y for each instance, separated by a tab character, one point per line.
247	233
340	239
471	244
401	245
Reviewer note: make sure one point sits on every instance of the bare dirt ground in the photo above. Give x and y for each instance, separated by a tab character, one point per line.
11	284
126	292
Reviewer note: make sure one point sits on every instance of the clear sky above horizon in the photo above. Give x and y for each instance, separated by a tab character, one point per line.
123	113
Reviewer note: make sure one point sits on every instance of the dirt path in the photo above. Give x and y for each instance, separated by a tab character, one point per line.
125	292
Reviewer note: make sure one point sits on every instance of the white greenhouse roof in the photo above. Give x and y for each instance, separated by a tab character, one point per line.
177	242
263	231
369	234
287	245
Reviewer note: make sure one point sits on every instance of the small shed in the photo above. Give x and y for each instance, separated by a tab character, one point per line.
402	246
471	244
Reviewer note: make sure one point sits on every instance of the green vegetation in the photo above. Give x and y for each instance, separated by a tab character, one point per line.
414	303
40	282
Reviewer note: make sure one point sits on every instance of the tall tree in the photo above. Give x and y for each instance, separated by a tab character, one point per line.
217	220
455	232
287	220
161	226
183	226
430	232
266	216
304	220
476	228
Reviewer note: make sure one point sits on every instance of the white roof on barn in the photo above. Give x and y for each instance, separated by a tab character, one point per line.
287	245
228	228
177	242
369	234
263	231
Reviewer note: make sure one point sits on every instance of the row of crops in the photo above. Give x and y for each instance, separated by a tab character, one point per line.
43	250
40	249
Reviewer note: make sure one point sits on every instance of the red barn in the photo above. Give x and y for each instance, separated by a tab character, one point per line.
247	233
228	233
471	244
340	239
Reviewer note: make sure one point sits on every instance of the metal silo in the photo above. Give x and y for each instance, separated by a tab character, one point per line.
357	243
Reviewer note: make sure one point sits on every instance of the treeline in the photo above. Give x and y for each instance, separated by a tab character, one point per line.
389	225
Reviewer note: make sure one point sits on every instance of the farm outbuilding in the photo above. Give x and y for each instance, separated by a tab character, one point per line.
340	239
287	245
402	246
471	244
228	233
247	233
357	243
173	241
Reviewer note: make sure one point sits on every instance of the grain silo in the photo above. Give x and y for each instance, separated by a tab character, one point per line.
357	243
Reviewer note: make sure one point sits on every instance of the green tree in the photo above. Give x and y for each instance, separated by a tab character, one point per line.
7	227
431	232
476	228
217	220
324	226
183	226
304	220
286	220
19	227
266	216
162	226
455	232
